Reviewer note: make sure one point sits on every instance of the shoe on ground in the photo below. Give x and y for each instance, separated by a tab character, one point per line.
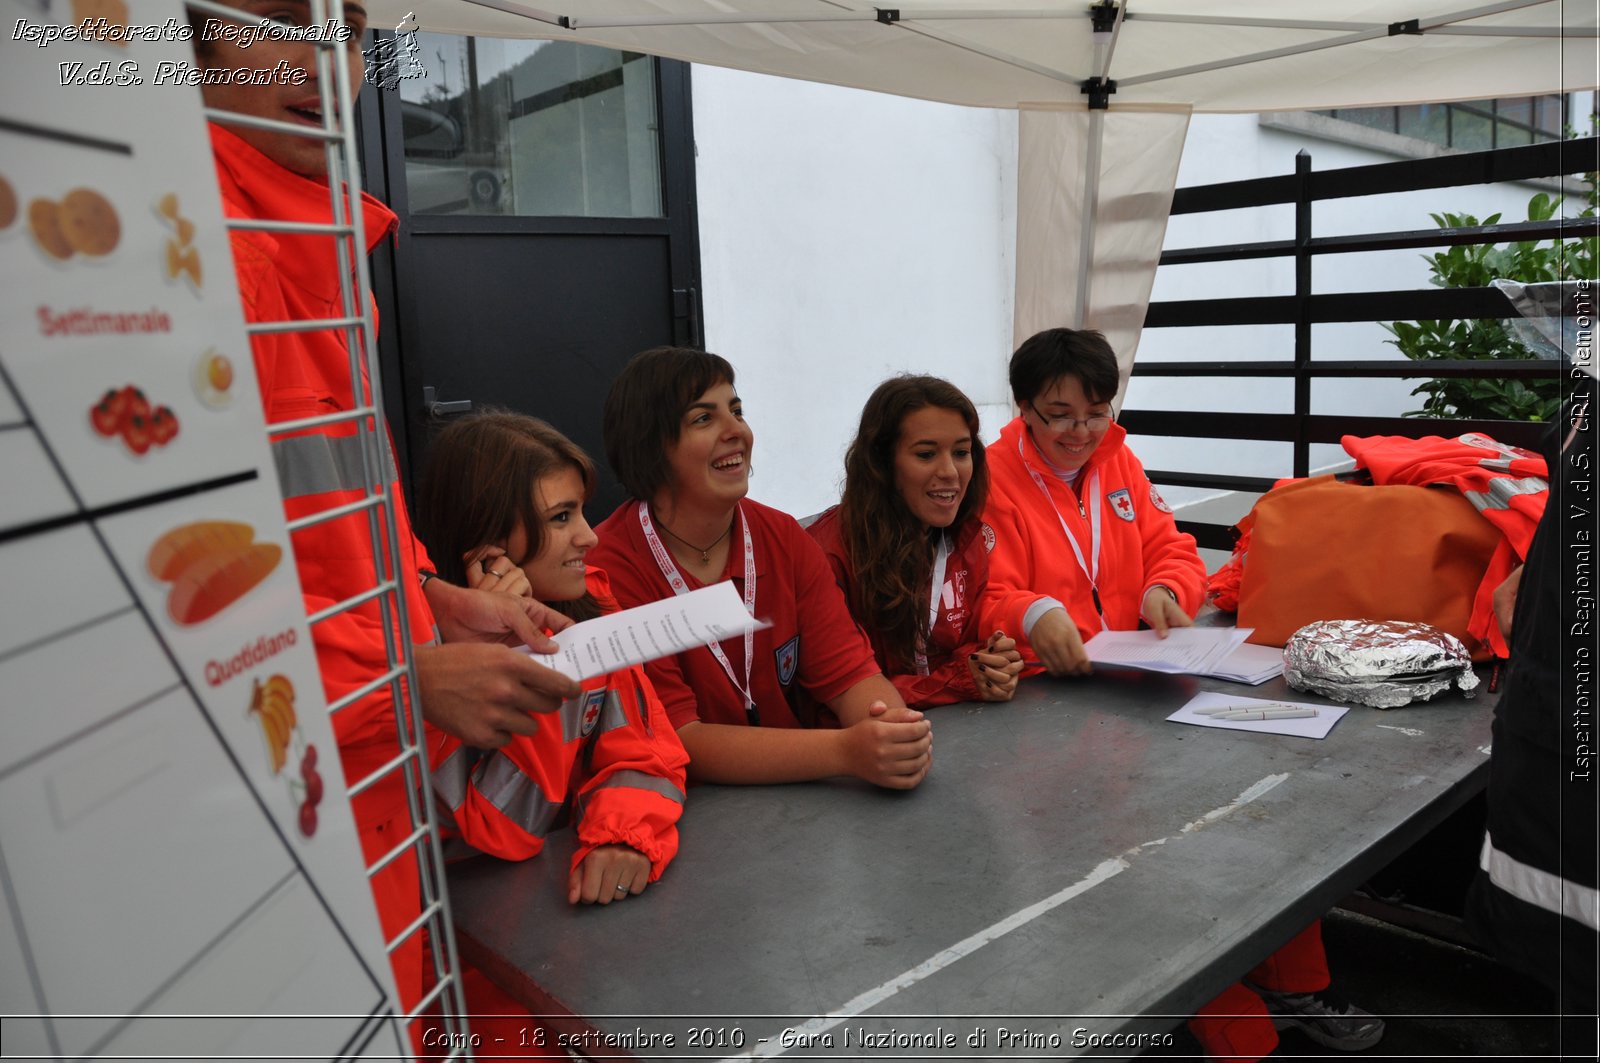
1324	1016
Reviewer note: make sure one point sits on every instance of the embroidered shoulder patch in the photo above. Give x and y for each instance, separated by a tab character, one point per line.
1157	501
593	701
988	539
787	658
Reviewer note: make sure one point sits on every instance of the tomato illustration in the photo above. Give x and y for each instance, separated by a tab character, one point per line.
163	425
137	432
106	415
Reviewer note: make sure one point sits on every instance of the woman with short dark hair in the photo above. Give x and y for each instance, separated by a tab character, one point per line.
762	708
1083	540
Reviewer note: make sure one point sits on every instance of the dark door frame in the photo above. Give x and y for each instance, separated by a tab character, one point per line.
399	301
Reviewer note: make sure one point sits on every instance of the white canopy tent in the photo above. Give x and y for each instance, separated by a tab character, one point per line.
1105	91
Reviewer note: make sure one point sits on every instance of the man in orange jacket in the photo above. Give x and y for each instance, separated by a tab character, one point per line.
473	686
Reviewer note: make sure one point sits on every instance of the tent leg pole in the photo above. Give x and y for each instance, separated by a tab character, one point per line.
1091	195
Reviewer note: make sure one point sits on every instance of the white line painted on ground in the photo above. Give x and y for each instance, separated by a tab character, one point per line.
1103	872
1412	731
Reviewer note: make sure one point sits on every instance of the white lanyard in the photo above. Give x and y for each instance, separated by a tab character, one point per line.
941	559
669	569
1091	569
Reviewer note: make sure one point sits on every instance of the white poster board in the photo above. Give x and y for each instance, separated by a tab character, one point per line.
174	837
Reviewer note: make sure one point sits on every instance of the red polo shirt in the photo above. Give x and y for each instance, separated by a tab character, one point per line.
813	650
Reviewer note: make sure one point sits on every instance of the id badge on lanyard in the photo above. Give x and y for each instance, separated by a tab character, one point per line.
941	560
680	586
1091	568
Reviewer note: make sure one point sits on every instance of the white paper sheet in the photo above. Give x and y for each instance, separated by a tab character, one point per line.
1185	650
1316	726
1250	664
647	632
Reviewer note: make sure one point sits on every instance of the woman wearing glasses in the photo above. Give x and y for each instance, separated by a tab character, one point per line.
1075	518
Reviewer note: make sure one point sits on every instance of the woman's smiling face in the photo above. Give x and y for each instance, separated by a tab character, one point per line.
709	464
1067	446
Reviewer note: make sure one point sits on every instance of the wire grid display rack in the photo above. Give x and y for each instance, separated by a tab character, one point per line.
443	1002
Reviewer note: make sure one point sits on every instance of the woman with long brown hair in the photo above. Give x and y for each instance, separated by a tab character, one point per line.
909	550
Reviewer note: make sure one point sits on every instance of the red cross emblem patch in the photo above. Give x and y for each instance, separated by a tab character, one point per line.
1121	504
592	703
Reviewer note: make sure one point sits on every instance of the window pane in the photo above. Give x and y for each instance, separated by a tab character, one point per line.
533	128
1519	110
1426	121
1510	136
1373	117
1471	130
1549	115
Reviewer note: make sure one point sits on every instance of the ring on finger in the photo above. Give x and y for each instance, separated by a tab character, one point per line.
621	888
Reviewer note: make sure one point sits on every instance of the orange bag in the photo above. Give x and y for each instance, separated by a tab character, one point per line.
1324	550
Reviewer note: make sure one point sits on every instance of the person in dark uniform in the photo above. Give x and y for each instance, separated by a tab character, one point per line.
1534	903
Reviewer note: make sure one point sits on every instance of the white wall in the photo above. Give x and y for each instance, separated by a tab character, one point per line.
846	236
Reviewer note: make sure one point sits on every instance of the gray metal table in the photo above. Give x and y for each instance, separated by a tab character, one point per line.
1073	866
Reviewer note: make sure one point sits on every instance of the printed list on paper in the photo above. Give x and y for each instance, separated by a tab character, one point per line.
648	632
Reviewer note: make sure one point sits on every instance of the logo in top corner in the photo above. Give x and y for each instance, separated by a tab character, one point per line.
1157	501
787	657
593	702
1121	503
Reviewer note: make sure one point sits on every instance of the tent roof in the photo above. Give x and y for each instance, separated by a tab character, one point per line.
1211	55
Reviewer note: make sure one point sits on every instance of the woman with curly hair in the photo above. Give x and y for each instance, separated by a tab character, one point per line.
909	550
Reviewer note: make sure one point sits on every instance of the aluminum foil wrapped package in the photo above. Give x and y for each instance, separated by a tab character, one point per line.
1382	663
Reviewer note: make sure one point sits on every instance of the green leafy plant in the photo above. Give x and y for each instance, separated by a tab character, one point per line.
1474	266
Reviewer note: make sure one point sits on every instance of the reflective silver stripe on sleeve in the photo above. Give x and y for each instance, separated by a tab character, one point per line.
501	782
1542	889
517	796
451	774
317	464
571	713
1503	490
633	780
614	715
1502	464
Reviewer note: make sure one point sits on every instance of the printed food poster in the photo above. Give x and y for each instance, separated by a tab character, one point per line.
173	826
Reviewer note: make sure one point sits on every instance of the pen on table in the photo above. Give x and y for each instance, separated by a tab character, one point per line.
1249	706
1265	714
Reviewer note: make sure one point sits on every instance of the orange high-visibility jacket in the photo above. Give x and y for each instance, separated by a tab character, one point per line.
610	754
1140	545
1506	484
294	276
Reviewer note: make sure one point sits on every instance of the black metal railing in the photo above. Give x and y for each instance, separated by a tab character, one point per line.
1305	308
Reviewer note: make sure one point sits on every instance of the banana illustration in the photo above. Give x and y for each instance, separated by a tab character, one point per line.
272	703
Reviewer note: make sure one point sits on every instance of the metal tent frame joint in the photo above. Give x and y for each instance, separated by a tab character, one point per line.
1099	91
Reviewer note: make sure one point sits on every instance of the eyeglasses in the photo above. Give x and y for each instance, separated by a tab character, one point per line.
1098	422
